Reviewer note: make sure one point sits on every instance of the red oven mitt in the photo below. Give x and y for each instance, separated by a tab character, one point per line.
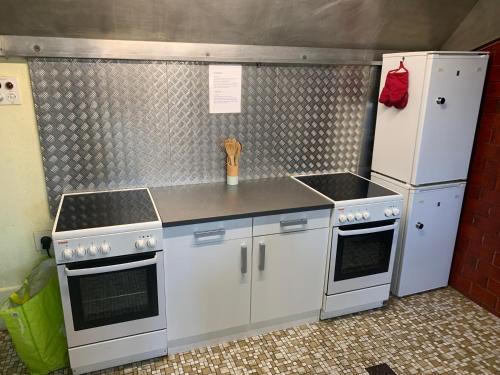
395	91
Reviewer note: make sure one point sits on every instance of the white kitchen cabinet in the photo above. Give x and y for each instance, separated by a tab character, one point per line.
220	280
288	273
208	277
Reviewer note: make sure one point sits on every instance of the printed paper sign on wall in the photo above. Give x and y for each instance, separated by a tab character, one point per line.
224	83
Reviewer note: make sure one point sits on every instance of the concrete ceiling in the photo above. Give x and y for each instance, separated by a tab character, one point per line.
364	24
480	27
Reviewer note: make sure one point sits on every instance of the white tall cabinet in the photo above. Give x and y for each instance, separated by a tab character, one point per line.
423	152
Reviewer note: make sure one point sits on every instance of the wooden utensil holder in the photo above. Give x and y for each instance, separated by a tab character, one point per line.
232	174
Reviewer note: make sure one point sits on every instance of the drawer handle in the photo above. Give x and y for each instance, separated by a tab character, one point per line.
244	267
262	256
210	233
288	223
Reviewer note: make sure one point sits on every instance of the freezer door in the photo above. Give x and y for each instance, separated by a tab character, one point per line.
449	118
431	229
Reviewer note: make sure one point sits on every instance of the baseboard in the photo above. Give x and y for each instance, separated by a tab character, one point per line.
241	332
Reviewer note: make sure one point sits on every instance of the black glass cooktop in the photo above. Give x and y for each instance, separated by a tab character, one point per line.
104	209
345	186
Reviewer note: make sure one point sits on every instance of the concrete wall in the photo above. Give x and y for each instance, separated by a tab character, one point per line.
479	27
23	200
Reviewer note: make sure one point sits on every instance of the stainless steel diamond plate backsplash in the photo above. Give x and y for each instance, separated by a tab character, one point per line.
114	123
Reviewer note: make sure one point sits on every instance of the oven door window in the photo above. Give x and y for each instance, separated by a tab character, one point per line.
363	254
113	297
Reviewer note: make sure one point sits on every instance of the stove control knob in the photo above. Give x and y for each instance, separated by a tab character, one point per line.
92	250
80	251
67	254
395	211
366	215
358	216
350	217
140	244
105	248
388	212
151	242
342	218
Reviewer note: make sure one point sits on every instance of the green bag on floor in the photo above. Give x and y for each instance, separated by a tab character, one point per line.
33	316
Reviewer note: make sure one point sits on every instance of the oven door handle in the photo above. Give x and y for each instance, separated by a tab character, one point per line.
114	267
367	230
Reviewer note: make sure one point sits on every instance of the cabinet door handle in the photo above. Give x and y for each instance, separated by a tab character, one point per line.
210	233
243	258
262	256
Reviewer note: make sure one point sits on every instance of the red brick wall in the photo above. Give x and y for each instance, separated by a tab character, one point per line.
476	263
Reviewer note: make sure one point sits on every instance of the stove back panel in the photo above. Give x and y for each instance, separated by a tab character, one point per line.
116	123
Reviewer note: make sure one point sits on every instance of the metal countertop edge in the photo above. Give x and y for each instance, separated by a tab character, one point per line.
168	224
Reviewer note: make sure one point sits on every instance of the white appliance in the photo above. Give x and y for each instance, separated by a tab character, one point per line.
364	232
108	249
427	238
423	152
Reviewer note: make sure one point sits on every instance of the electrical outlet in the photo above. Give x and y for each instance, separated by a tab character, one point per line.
9	91
37	236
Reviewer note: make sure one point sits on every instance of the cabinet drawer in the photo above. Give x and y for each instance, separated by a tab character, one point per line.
212	231
291	222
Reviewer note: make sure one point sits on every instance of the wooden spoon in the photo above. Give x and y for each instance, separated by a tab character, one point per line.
230	146
238	153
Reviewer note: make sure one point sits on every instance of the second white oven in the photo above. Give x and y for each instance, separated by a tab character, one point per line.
362	255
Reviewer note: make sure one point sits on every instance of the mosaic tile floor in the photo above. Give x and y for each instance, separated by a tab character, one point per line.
440	332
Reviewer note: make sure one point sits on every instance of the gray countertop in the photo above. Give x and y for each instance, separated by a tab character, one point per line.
189	204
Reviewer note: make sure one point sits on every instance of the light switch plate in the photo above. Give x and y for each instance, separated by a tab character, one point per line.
9	91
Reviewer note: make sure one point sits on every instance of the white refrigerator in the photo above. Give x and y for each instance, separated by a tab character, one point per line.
423	152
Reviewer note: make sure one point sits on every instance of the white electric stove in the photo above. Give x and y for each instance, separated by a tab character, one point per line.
364	230
108	248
